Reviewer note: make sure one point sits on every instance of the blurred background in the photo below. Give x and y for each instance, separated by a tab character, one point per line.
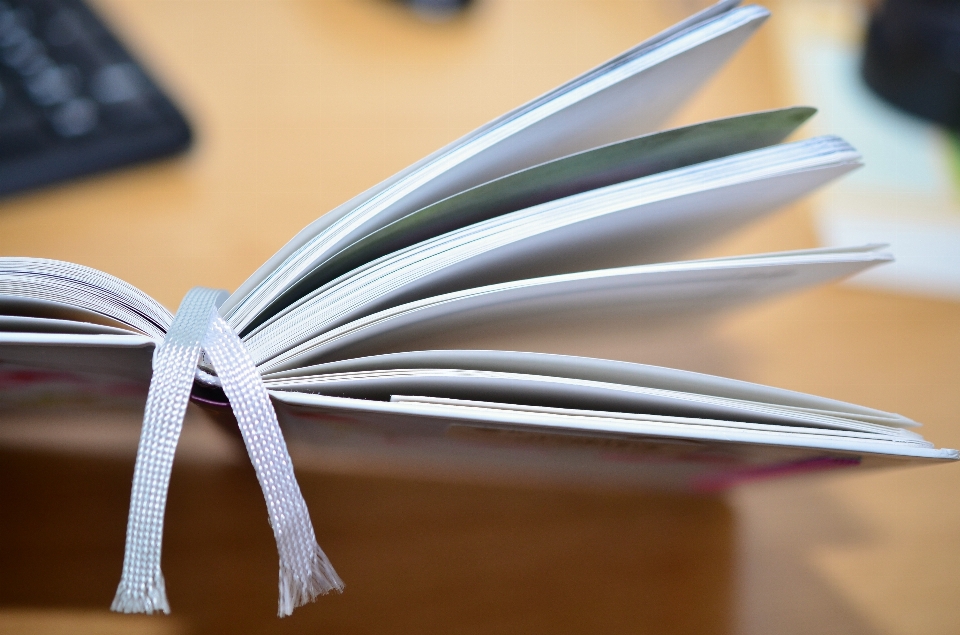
296	106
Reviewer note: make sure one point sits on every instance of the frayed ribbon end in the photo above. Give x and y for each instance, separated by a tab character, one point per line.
297	590
147	599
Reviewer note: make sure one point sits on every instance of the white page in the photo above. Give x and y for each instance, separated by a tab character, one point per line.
400	416
560	392
32	307
626	416
627	97
18	324
602	370
668	291
45	283
566	176
126	356
330	217
644	218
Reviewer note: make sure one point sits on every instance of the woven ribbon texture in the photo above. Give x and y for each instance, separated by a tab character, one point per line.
305	571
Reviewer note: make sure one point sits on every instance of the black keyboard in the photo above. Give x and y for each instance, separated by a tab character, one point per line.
72	100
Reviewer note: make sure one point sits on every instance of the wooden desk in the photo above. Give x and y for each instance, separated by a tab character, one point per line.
300	105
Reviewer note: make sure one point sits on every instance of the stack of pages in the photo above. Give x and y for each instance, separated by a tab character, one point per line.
568	202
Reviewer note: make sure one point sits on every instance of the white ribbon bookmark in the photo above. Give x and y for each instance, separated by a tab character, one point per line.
305	571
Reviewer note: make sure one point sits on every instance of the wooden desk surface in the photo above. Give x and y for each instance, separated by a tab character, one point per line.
300	105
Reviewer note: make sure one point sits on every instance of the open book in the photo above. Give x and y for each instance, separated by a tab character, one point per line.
567	202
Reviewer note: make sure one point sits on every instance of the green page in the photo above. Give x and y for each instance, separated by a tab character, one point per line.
581	172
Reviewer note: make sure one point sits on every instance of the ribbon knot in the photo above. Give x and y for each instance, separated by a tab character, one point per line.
198	328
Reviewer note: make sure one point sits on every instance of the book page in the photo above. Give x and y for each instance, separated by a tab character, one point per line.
560	392
422	439
626	97
588	170
430	440
18	324
65	290
601	370
125	356
878	433
32	307
651	294
640	221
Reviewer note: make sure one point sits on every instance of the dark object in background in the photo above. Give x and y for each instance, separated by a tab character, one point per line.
72	100
437	9
912	57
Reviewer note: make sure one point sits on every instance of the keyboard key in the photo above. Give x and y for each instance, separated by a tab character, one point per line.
72	100
64	28
20	127
75	118
53	85
117	83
